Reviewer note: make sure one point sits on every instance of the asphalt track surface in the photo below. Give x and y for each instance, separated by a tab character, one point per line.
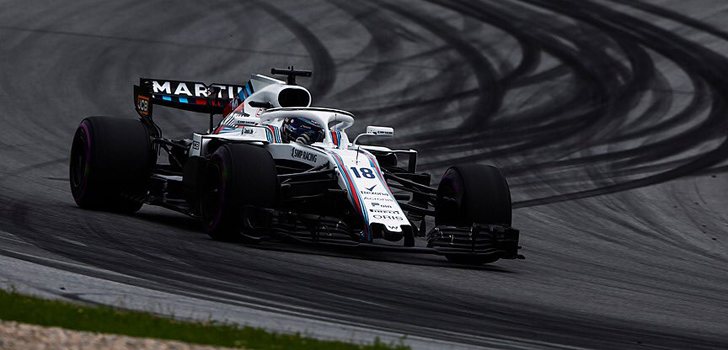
609	118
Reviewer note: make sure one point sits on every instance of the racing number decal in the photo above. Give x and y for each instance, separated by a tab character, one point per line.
365	172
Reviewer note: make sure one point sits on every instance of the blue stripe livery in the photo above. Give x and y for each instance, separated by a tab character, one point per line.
353	192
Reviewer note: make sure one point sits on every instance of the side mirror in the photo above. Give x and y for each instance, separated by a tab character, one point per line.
380	131
376	131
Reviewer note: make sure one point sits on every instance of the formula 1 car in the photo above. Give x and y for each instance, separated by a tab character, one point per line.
274	167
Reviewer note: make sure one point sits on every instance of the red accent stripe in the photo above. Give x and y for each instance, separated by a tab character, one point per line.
336	140
273	133
200	101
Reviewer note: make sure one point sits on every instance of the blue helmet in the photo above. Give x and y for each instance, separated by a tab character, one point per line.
301	130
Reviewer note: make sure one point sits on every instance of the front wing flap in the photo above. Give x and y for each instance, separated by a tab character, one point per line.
477	239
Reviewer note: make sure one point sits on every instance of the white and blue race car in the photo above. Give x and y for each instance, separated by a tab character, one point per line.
274	167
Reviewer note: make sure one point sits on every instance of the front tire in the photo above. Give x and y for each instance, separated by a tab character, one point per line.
237	176
111	160
473	194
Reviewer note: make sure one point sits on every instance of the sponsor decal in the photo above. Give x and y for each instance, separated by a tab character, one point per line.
191	89
372	193
196	145
393	227
380	205
384	211
241	119
388	217
378	198
236	120
305	155
143	105
248	131
371	188
237	114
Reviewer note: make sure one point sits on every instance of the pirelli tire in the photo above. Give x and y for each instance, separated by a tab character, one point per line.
239	179
473	193
111	161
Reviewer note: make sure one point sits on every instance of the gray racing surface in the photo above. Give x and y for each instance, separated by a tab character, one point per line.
609	119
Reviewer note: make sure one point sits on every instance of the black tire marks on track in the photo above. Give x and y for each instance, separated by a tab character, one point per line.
603	65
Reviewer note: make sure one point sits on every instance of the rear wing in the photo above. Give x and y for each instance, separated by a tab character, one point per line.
186	95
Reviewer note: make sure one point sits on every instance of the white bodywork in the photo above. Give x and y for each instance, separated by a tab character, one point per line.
358	172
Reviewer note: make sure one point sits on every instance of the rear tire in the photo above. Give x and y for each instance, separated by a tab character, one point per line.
470	194
111	160
237	176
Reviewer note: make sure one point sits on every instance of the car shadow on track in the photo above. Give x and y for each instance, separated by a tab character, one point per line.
177	221
369	252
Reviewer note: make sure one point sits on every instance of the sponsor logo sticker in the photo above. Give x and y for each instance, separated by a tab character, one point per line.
378	198
143	105
384	211
388	217
192	89
305	155
372	193
380	205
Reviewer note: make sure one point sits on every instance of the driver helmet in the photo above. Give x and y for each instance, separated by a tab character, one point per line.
301	130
